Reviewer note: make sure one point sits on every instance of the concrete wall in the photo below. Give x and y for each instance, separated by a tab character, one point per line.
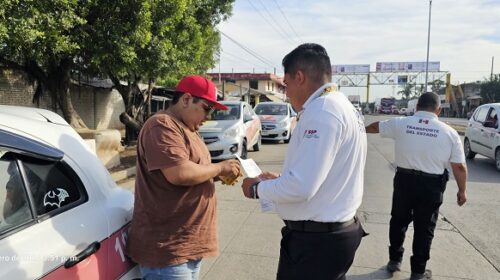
98	107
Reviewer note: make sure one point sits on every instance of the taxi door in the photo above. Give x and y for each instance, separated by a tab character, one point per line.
488	133
51	224
477	135
252	125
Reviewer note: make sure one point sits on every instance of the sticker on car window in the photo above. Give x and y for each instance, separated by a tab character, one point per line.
55	198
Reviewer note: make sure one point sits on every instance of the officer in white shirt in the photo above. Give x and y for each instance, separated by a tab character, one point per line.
424	146
322	183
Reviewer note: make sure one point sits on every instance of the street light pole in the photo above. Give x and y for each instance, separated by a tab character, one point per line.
428	44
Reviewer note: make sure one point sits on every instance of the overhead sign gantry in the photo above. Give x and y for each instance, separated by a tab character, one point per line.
386	73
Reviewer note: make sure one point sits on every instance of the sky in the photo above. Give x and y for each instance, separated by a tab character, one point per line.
464	35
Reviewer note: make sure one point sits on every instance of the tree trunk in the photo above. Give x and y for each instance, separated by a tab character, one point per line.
133	100
59	84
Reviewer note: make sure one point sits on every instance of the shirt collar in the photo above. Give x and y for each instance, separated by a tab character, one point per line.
425	114
317	93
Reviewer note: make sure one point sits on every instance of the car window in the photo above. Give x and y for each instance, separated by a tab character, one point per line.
14	205
53	185
271	109
246	111
232	113
492	116
480	116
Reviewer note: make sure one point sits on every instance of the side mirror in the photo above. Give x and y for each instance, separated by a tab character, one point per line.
491	124
247	118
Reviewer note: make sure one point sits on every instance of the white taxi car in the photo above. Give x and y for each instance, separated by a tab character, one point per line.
278	120
232	132
62	216
482	135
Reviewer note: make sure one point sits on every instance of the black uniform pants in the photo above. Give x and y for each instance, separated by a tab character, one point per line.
416	198
318	255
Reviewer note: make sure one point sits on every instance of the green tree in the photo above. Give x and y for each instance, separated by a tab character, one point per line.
490	89
407	91
436	85
127	40
172	38
42	38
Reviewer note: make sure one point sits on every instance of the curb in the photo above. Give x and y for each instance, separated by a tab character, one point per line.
123	174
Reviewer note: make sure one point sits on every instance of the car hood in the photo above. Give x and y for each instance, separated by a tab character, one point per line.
217	126
272	118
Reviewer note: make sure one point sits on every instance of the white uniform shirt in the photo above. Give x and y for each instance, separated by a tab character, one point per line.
322	178
423	142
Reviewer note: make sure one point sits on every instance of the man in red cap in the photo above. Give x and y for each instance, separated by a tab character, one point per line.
174	221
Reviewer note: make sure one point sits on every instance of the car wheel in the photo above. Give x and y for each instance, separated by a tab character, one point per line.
256	146
244	152
497	158
468	152
289	136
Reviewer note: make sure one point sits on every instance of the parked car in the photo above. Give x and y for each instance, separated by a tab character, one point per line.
358	108
278	120
403	111
62	215
482	135
232	132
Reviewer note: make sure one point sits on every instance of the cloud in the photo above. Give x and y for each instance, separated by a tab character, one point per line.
464	34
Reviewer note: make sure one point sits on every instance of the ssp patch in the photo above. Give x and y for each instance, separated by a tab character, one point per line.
311	133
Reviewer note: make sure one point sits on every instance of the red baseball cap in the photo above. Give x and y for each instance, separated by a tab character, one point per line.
200	87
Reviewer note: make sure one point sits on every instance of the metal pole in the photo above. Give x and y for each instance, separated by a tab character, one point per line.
428	43
492	61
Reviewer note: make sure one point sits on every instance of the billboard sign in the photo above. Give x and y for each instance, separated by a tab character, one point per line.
351	69
406	66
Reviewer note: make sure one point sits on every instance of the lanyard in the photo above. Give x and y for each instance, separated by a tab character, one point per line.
325	91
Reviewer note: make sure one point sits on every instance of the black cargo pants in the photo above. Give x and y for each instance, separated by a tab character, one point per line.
417	197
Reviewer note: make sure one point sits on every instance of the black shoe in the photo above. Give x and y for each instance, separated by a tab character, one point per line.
393	266
418	276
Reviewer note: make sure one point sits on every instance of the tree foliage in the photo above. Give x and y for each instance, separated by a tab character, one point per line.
436	85
490	89
135	41
42	38
407	91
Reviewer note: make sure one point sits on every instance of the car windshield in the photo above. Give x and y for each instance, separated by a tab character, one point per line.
271	109
232	113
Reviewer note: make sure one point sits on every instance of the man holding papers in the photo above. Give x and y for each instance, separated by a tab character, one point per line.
321	185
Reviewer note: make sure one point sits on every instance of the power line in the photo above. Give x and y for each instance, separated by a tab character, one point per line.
269	23
251	52
277	23
238	57
286	19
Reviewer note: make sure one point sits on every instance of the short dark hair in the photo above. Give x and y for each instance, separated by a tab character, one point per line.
310	58
428	101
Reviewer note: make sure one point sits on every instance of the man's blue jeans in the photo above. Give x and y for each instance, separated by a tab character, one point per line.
185	271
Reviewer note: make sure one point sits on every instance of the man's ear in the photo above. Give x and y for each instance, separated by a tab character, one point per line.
438	110
300	77
185	100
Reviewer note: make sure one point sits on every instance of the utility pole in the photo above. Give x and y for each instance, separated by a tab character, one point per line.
492	61
428	44
368	91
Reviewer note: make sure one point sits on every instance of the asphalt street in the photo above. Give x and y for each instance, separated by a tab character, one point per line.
466	244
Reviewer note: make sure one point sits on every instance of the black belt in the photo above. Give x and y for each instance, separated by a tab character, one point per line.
312	226
421	173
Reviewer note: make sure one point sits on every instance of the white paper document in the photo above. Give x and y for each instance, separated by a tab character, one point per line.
252	170
250	167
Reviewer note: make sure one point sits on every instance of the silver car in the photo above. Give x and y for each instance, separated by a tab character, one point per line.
482	135
278	120
232	132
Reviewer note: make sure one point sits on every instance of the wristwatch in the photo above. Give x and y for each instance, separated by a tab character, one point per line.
254	193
